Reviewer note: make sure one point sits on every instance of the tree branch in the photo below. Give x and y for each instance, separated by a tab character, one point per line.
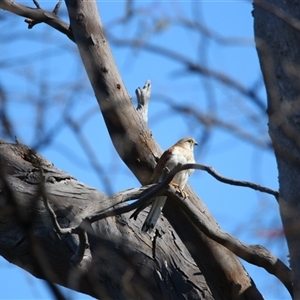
254	254
146	195
111	239
38	15
223	179
194	67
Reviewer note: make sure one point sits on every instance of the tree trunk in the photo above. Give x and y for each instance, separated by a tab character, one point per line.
277	34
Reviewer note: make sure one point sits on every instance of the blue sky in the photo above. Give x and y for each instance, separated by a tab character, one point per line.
250	216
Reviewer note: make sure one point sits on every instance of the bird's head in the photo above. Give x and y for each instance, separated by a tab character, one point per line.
187	143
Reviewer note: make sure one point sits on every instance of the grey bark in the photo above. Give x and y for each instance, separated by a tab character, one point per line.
277	34
120	265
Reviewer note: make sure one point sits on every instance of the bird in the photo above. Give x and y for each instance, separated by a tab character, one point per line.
179	153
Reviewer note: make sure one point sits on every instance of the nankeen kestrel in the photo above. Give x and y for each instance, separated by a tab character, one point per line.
180	153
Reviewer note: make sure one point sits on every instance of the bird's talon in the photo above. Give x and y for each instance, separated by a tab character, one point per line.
185	194
179	190
175	185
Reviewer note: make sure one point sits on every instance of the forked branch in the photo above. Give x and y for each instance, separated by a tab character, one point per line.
38	15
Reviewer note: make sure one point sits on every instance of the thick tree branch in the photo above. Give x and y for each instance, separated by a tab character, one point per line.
111	239
254	254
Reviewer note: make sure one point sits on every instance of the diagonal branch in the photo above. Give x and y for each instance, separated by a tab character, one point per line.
253	254
223	179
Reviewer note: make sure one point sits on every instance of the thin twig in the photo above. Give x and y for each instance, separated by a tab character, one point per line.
212	172
36	4
81	230
145	198
194	67
223	179
90	153
57	7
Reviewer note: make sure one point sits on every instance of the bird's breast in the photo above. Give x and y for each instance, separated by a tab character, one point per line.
176	158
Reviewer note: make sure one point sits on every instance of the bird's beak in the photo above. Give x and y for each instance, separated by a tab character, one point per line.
196	144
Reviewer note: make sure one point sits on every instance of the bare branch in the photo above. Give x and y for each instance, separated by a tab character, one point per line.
26	219
57	227
210	120
37	15
223	179
33	22
145	195
254	254
194	67
209	170
36	4
90	153
57	7
83	247
209	33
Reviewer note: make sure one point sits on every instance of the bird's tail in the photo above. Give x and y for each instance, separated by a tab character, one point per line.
154	213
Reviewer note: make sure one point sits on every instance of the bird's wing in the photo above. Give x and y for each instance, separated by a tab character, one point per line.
157	172
161	164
